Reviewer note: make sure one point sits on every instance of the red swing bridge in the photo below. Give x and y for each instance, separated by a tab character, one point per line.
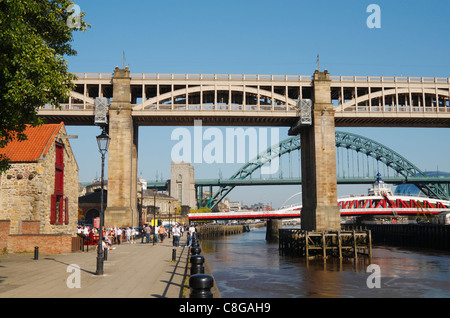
378	202
352	206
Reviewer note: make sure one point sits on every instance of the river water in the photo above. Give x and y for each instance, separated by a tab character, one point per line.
246	266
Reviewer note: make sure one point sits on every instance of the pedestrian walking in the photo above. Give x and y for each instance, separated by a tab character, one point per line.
156	233
176	236
148	230
133	235
119	235
191	233
128	235
162	233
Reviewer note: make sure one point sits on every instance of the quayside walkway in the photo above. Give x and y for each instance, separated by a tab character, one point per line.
131	271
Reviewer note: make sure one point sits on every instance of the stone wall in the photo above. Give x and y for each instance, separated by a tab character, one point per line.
21	187
70	189
25	202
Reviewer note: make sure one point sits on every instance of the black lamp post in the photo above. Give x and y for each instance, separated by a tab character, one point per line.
154	216
170	228
103	144
142	205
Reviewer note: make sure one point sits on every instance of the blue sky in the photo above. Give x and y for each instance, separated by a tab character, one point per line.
263	37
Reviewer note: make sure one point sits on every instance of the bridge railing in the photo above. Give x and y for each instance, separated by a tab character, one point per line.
199	76
94	75
267	77
220	77
394	79
71	106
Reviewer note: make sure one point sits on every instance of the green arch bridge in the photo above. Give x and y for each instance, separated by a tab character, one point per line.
405	170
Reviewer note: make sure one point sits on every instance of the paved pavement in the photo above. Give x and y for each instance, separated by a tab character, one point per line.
131	271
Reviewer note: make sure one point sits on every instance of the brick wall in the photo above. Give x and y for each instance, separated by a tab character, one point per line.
30	237
30	227
4	233
47	243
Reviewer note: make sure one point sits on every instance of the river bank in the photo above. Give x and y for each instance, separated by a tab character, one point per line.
246	265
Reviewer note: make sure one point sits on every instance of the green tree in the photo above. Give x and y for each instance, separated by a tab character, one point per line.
35	35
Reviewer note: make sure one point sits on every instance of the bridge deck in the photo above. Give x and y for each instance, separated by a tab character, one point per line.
262	100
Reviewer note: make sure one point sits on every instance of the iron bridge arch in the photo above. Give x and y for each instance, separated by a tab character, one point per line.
346	140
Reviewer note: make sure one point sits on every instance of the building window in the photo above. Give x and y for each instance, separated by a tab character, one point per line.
180	193
59	213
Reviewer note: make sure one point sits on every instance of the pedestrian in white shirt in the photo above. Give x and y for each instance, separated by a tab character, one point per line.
176	236
191	233
157	234
128	234
119	235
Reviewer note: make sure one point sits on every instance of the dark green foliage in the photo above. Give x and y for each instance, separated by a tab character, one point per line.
34	38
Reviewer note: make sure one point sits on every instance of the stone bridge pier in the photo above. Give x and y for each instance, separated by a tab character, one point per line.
318	165
272	229
122	155
318	162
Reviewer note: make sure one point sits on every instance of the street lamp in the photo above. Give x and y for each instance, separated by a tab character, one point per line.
141	210
170	227
154	216
103	144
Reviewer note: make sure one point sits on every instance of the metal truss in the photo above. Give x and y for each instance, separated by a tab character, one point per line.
346	140
392	160
263	158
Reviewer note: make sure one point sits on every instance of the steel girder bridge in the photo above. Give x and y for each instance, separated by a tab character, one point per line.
406	171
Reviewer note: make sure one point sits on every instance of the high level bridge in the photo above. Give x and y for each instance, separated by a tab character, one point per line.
261	100
250	100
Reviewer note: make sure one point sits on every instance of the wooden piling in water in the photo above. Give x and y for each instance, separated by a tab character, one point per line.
340	244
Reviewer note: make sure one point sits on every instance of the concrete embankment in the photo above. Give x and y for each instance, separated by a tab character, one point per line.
208	231
434	236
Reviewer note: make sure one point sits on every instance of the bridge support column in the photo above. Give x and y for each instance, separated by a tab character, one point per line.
122	155
272	230
318	159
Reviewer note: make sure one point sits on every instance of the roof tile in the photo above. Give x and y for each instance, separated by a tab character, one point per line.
36	146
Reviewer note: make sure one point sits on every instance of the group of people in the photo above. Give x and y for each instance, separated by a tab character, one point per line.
177	232
159	234
115	235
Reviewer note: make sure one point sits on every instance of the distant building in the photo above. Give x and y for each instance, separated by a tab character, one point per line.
235	206
165	205
89	201
182	184
89	205
260	207
96	186
39	193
